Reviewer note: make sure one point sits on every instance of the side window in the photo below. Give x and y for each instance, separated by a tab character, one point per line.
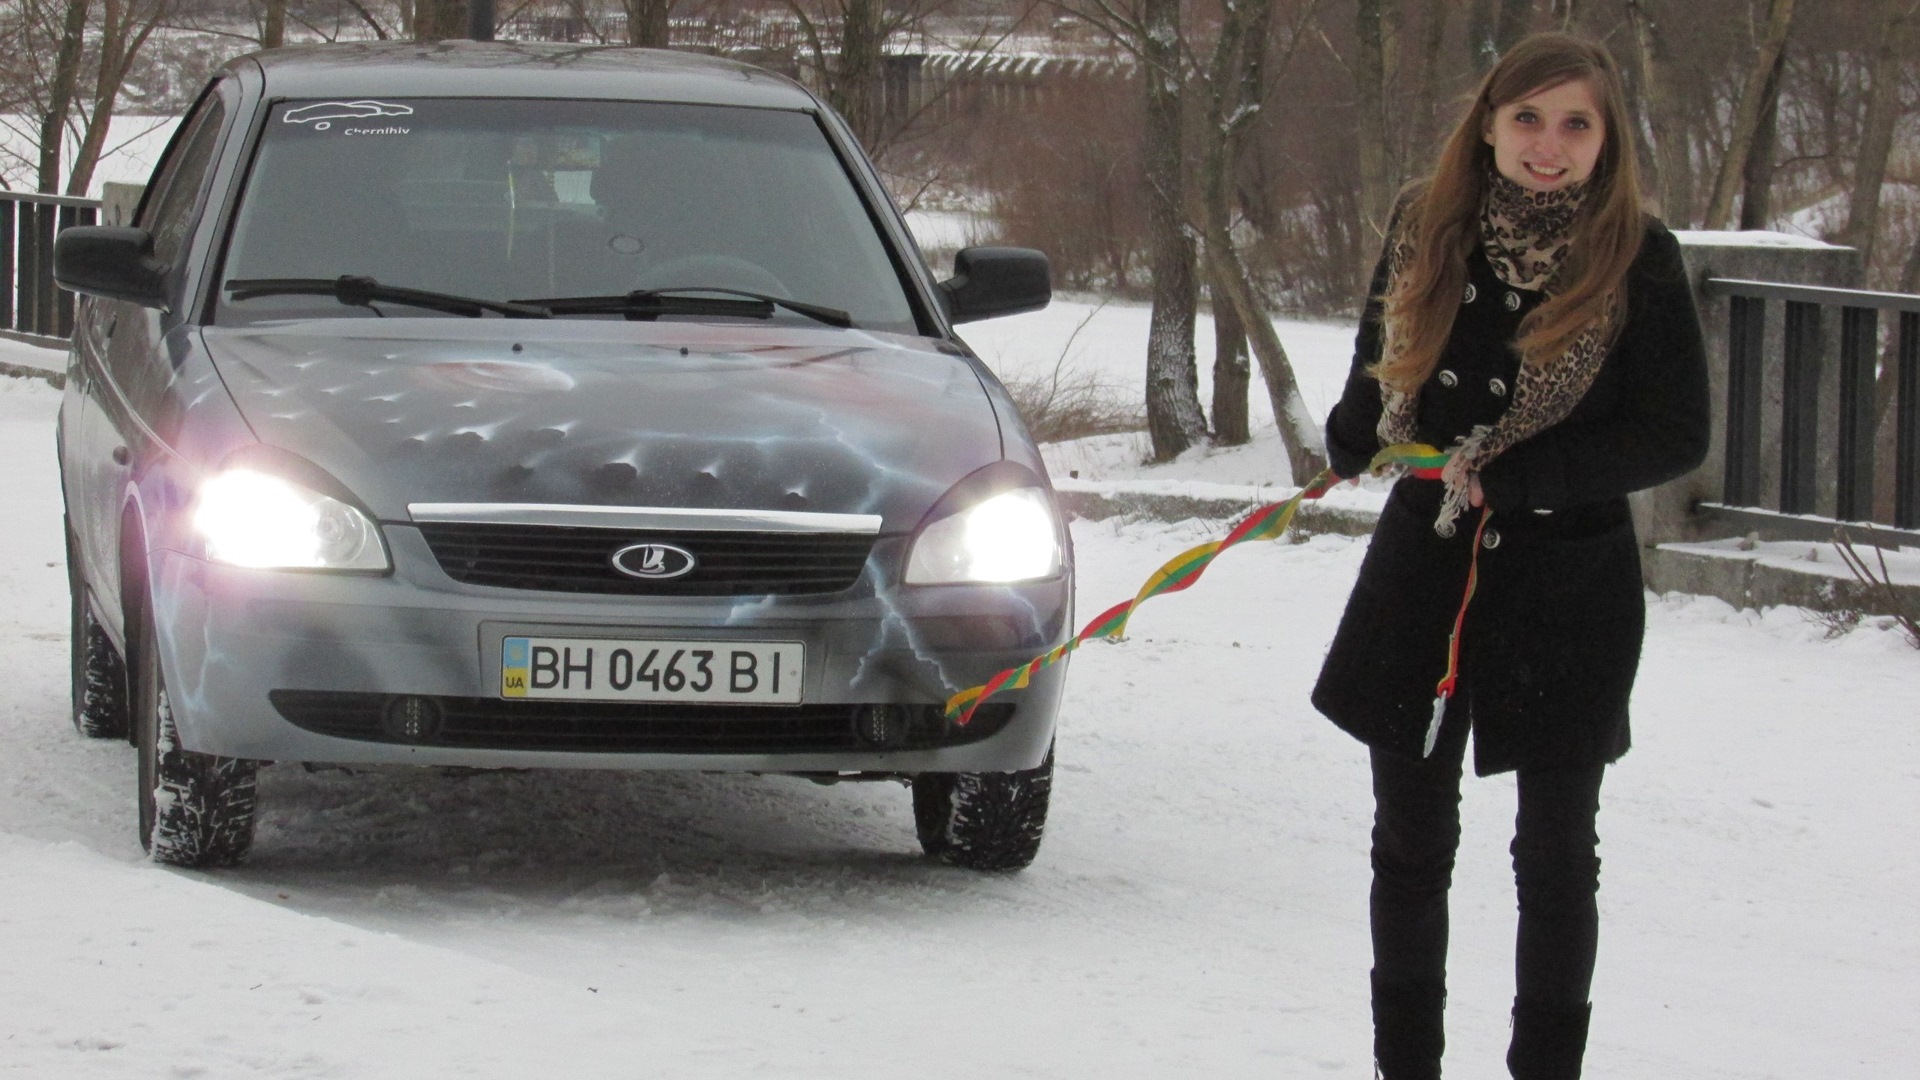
168	212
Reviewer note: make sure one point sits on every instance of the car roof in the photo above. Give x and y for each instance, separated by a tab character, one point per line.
519	69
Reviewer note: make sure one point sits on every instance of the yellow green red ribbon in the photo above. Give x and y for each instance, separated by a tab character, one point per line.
1268	522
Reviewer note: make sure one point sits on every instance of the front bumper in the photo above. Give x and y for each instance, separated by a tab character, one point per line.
230	638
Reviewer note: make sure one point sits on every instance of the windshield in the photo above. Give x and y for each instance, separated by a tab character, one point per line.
507	199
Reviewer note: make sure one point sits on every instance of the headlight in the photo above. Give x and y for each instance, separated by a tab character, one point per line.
1009	537
254	519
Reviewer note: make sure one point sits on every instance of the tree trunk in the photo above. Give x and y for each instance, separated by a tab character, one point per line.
1234	94
1756	198
66	73
1425	128
273	31
1492	28
1174	419
125	29
1666	116
1231	372
1237	87
1483	48
1299	429
1746	117
439	20
647	23
1876	141
855	87
1514	17
1370	77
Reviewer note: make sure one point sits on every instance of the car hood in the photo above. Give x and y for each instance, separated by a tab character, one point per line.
614	414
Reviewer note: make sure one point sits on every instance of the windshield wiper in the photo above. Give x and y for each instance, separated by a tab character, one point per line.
359	291
653	303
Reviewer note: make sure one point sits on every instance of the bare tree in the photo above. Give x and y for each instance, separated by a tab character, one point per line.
1876	141
125	28
845	42
1673	162
1748	113
1235	93
1231	369
1492	28
66	74
1174	419
439	20
1756	192
1151	30
1372	72
647	22
1237	88
1422	132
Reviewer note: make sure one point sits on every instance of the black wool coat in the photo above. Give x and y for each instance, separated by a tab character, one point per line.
1552	638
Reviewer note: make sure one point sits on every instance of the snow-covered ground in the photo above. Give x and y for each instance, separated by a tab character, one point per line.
1198	906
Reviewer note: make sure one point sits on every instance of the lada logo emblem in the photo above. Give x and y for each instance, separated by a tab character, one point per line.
653	562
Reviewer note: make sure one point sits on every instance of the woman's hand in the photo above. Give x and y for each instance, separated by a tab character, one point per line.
1475	494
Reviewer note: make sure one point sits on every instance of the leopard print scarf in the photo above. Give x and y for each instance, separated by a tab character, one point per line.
1525	236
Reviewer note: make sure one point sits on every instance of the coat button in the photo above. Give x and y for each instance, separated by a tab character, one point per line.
1448	379
1471	294
1490	539
1512	301
1497	387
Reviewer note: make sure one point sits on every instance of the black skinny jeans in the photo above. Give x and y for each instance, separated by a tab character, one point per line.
1415	833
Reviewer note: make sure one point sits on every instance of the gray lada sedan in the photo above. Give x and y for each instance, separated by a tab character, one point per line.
508	406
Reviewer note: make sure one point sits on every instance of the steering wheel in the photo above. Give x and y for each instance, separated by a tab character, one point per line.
722	271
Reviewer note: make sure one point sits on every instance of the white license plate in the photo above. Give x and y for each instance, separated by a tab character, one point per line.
611	669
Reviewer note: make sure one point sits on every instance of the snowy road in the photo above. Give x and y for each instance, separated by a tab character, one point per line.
1198	904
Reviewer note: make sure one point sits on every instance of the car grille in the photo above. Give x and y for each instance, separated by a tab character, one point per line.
567	559
622	727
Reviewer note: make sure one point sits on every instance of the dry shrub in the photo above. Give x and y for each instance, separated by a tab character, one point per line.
1878	584
1065	404
1073	405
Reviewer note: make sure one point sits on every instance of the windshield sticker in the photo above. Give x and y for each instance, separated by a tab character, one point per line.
323	114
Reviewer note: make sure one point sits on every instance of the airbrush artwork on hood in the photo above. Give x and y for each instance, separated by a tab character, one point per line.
746	418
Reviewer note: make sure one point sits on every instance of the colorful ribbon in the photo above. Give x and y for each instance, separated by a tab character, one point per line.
1450	681
1268	522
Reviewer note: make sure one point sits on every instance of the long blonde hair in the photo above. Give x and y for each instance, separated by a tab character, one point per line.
1441	219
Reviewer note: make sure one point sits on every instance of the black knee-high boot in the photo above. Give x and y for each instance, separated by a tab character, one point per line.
1557	874
1408	1029
1549	1041
1416	829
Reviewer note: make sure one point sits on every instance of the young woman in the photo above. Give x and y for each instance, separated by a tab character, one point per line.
1529	318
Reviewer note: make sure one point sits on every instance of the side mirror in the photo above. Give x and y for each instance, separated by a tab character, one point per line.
111	262
988	282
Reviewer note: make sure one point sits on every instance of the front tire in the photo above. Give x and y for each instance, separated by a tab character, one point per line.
983	821
195	809
99	675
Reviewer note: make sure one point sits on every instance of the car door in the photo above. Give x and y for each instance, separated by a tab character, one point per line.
131	355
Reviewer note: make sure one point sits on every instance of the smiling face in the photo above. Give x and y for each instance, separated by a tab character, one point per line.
1549	138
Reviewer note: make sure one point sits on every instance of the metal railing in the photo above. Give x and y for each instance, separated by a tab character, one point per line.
1846	458
31	305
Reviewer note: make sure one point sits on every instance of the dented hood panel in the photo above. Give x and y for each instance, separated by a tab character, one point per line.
615	414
